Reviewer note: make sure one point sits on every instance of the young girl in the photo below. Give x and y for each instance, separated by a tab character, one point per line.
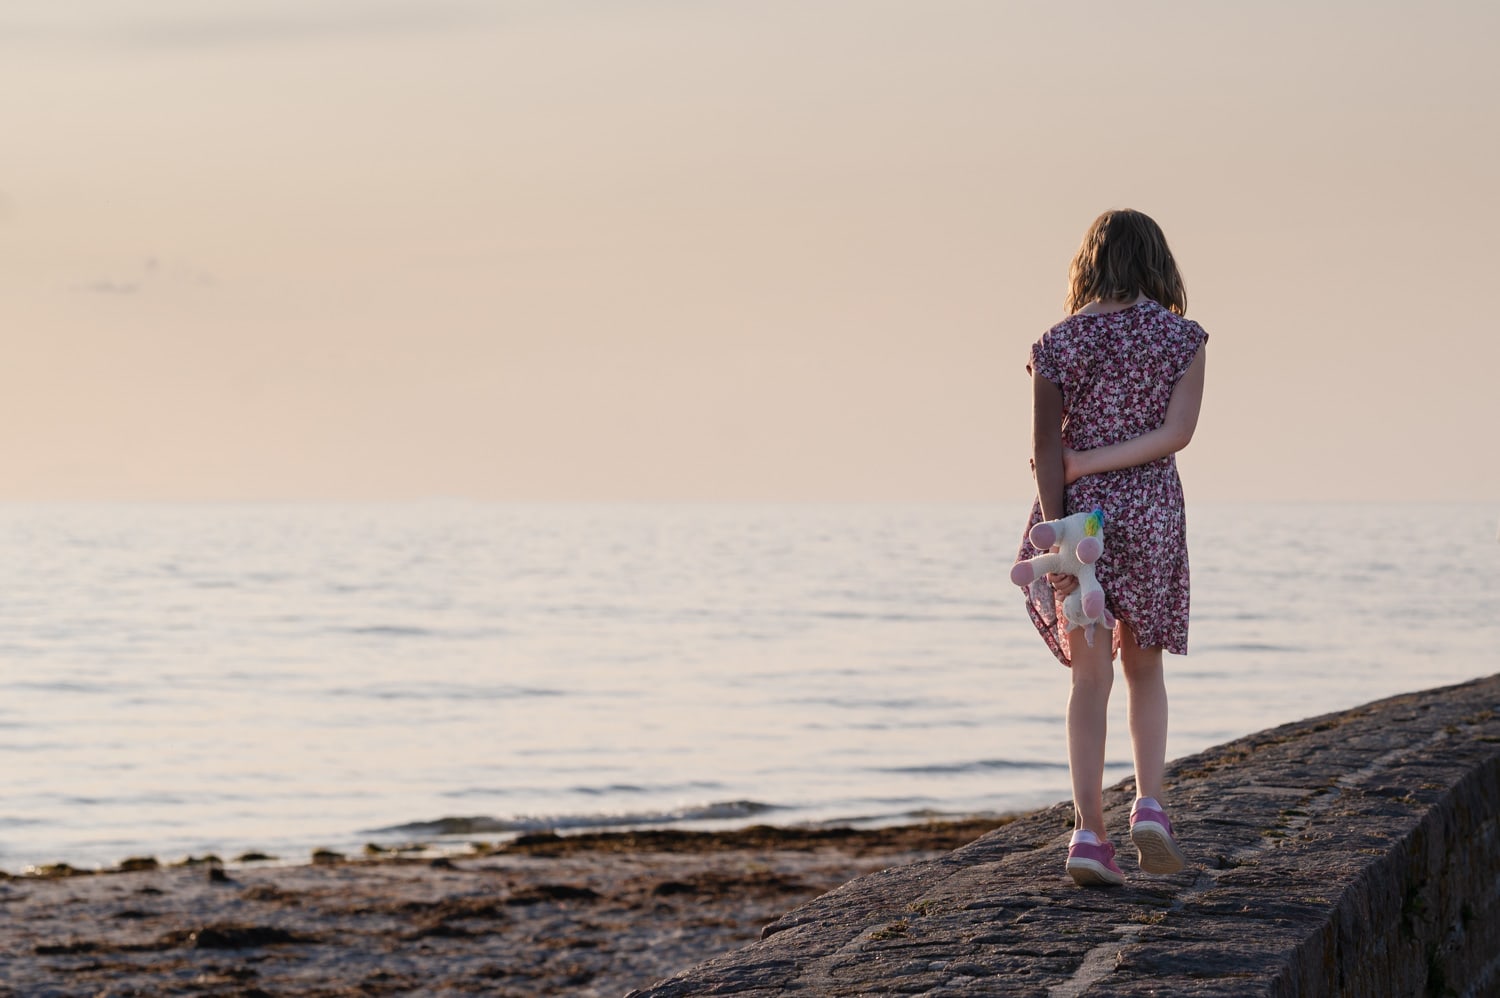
1116	389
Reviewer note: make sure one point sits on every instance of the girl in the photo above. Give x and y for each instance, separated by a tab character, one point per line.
1116	389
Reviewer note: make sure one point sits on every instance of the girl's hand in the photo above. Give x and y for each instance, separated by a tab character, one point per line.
1071	472
1062	583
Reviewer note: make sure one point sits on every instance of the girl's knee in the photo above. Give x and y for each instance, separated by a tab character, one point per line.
1093	670
1087	676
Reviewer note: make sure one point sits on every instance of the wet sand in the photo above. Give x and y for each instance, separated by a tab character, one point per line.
585	915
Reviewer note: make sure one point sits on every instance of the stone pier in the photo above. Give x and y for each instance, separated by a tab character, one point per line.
1356	853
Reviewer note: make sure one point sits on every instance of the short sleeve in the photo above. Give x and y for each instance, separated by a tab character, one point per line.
1193	338
1043	362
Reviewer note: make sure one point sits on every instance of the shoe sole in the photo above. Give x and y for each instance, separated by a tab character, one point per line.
1158	853
1090	873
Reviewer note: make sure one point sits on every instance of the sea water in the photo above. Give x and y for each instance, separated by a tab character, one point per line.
180	680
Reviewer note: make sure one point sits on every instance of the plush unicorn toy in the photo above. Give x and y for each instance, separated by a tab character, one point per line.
1081	541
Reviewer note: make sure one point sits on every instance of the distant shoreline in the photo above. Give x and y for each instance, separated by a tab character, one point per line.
854	837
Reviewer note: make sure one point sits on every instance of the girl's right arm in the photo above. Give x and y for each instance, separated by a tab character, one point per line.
1047	463
1047	446
1170	437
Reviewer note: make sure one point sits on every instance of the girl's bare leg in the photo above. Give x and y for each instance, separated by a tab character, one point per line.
1088	715
1147	692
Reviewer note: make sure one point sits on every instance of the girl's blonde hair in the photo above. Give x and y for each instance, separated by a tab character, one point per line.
1124	254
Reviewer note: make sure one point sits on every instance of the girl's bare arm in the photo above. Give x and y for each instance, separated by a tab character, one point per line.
1170	437
1046	446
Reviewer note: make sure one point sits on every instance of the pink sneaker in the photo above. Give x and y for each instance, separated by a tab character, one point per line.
1151	831
1092	864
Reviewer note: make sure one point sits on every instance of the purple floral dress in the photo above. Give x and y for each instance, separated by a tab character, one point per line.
1117	371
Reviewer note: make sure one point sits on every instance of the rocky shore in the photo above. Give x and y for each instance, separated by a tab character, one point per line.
579	915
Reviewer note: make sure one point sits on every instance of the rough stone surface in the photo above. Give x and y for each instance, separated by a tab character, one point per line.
588	916
1352	854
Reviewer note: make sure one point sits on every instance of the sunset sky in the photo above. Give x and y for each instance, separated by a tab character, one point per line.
727	249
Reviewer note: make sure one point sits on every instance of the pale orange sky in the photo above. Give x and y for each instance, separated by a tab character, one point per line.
747	249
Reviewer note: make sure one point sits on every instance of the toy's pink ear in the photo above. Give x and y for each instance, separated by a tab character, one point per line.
1089	550
1044	535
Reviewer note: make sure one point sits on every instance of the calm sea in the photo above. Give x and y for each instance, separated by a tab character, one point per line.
179	680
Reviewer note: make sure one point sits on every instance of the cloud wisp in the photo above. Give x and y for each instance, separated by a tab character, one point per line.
151	275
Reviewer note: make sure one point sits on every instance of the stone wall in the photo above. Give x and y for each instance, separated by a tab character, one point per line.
1424	918
1352	854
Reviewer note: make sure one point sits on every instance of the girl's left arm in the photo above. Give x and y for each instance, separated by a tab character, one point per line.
1170	437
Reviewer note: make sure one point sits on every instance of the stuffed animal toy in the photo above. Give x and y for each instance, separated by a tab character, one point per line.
1080	541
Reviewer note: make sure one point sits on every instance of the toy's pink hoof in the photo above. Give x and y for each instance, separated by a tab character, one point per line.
1109	619
1093	605
1022	574
1044	535
1089	550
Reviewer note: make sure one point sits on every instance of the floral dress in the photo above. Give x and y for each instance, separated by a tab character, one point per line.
1117	371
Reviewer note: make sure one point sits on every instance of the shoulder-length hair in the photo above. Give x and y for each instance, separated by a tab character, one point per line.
1125	254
